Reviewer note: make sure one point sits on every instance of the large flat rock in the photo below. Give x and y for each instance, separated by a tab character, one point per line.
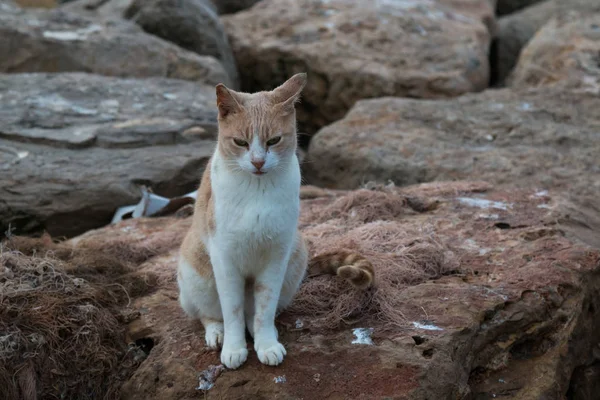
564	53
60	41
547	138
74	147
515	30
359	49
480	293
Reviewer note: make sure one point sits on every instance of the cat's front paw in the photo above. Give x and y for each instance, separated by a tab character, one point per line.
270	353
233	358
214	335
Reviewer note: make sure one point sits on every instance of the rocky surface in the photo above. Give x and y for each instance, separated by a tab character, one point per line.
233	6
59	41
357	49
191	24
564	52
483	10
545	138
516	318
515	30
103	9
74	147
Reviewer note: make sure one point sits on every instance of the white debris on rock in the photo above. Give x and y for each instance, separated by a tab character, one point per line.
363	336
427	327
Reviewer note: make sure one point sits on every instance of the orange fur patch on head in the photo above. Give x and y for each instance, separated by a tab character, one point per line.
269	116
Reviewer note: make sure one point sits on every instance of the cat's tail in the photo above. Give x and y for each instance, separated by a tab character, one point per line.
346	264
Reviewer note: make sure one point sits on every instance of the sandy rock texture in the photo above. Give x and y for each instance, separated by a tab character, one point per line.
515	30
563	53
358	49
546	138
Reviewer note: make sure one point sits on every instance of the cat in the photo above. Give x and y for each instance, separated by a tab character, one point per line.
243	258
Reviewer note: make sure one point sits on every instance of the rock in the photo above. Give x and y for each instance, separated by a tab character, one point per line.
103	9
75	147
58	41
192	24
515	30
37	3
564	52
484	10
357	49
233	6
545	138
519	313
504	7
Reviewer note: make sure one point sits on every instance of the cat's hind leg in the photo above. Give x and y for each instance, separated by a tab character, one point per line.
199	299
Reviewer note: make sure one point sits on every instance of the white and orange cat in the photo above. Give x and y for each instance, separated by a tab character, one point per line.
243	258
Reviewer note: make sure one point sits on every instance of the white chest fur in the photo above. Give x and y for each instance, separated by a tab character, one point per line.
254	215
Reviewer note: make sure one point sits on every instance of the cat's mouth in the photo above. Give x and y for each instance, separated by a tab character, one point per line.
258	172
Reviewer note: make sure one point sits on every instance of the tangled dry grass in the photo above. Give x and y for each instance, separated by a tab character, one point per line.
373	222
62	315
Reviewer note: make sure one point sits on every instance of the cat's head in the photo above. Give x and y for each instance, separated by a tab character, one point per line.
257	131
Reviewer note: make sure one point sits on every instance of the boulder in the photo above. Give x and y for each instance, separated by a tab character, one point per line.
483	10
564	52
357	49
504	7
59	41
515	30
192	24
74	147
233	6
103	9
37	3
547	138
480	293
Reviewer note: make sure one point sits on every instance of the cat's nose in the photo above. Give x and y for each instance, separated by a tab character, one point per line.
258	164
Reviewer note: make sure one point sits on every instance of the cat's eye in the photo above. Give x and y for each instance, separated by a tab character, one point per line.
240	142
274	141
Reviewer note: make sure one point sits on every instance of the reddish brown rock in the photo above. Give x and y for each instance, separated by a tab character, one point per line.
544	138
564	52
358	49
483	10
515	30
494	292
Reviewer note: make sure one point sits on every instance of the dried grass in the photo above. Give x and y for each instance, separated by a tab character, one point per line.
372	223
62	317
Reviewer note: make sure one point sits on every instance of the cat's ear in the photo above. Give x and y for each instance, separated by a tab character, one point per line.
226	101
286	95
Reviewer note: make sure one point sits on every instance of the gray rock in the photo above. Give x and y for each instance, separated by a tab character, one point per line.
192	24
59	41
74	147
